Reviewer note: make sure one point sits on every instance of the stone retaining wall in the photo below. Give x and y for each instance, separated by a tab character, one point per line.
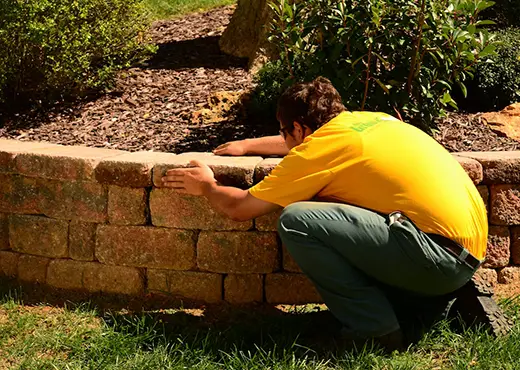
96	221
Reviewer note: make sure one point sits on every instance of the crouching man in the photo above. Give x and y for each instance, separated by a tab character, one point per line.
389	206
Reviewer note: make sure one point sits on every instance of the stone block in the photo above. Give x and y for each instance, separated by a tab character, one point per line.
498	167
498	247
189	285
82	240
146	247
66	274
20	194
509	275
515	245
268	222
32	269
75	200
39	236
62	162
4	232
8	263
229	171
472	167
484	193
113	279
9	149
290	289
238	252
130	169
488	275
265	167
244	288
289	264
505	205
127	206
171	209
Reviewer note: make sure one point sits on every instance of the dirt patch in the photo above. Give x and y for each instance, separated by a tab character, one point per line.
470	132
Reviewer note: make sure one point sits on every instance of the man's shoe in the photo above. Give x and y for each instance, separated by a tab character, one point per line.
476	306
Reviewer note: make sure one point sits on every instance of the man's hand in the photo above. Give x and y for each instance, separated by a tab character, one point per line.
235	148
196	180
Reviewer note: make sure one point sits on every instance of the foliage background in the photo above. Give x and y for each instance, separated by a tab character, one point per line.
51	49
403	57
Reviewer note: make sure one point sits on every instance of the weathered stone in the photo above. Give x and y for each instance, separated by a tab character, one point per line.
171	209
4	232
265	167
32	269
238	252
21	194
499	167
82	240
515	245
126	206
113	279
505	205
472	168
498	247
62	162
507	121
484	193
268	222
9	149
75	200
8	263
244	288
229	171
509	275
290	289
488	275
146	247
190	285
38	235
130	169
66	274
289	264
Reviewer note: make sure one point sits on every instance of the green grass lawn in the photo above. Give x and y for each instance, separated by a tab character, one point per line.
46	337
162	9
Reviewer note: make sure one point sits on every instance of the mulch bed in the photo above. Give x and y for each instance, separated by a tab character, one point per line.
151	106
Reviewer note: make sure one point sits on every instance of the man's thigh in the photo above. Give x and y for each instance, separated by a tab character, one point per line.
396	254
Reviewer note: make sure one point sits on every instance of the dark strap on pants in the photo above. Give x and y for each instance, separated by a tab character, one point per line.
457	250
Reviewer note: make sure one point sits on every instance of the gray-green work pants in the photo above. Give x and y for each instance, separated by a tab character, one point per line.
347	251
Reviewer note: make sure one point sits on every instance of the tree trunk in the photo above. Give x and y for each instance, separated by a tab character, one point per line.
246	35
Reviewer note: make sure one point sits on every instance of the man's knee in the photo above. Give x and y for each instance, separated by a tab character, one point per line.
291	217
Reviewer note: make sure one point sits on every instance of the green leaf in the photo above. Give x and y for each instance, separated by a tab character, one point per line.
386	88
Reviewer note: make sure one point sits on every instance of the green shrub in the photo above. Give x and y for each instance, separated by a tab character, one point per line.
54	48
497	84
397	56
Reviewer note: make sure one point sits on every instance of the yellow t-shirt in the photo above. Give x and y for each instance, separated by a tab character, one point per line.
377	162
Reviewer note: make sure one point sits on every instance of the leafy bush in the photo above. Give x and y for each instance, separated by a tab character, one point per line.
497	84
398	56
51	48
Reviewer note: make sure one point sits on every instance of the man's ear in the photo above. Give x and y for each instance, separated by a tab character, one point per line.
299	130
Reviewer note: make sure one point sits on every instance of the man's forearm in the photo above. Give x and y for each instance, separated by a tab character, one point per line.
267	145
225	199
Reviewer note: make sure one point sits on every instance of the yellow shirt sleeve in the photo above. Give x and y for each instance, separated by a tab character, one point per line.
295	179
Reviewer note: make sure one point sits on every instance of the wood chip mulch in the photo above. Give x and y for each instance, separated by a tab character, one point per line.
152	105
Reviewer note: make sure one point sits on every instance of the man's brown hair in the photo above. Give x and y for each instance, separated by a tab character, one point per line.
312	104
